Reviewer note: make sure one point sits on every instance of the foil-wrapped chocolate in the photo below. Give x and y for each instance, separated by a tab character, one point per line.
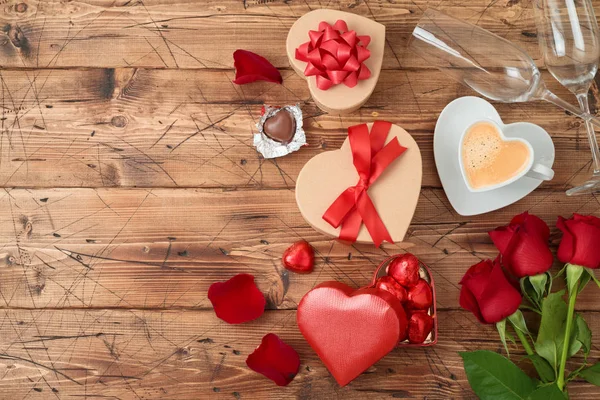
279	131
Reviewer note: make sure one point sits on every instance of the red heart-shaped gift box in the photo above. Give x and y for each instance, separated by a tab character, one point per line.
350	329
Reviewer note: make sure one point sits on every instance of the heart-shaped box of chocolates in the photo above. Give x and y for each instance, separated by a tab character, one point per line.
351	329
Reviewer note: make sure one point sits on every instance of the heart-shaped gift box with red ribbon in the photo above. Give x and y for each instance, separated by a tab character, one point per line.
351	329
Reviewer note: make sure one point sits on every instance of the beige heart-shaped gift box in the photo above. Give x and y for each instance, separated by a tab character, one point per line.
394	194
339	99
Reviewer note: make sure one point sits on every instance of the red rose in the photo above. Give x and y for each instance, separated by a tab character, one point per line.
580	244
487	293
524	245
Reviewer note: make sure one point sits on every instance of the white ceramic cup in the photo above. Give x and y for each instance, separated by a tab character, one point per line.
533	170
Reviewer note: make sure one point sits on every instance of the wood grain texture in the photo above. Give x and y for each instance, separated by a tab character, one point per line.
144	354
179	128
189	34
162	248
130	184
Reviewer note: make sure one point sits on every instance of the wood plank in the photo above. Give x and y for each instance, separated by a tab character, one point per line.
162	248
150	128
186	34
135	354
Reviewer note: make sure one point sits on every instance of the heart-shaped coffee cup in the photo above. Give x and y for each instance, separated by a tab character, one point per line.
338	99
484	143
395	194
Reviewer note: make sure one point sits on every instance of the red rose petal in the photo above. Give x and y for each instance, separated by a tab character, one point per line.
587	242
469	303
567	244
237	300
590	219
500	299
487	292
581	240
524	245
479	272
250	67
532	223
275	359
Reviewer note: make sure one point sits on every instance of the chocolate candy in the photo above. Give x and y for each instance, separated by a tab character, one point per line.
281	127
279	131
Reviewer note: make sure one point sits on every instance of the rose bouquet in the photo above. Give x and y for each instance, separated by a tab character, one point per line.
497	291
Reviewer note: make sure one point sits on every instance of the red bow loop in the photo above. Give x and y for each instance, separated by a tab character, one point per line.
335	55
370	156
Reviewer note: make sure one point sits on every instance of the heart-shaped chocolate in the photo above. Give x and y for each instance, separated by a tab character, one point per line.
338	99
281	127
350	330
395	194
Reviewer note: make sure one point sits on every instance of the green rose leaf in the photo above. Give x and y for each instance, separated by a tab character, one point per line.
501	327
518	321
574	344
585	279
592	276
574	272
584	334
543	368
548	392
591	374
539	282
529	292
551	334
493	376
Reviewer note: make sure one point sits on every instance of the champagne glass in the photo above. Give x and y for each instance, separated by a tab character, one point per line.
569	40
483	61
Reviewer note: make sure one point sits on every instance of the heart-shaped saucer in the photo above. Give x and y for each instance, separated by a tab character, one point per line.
350	330
338	99
451	124
395	194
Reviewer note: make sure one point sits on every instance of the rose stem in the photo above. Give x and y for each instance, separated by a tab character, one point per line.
524	341
563	357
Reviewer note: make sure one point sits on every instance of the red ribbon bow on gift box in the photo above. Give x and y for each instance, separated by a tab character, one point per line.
354	206
335	55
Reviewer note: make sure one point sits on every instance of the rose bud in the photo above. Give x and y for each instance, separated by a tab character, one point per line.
419	327
405	270
299	257
524	245
581	241
390	285
488	293
420	297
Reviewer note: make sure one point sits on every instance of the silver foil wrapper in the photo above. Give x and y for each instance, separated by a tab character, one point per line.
268	147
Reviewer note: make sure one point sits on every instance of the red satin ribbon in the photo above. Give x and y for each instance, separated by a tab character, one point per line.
371	158
335	55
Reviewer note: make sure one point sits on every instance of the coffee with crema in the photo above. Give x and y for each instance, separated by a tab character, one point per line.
488	159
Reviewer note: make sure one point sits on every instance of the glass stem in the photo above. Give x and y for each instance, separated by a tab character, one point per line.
585	107
565	105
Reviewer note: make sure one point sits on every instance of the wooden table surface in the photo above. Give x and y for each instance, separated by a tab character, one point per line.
130	184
